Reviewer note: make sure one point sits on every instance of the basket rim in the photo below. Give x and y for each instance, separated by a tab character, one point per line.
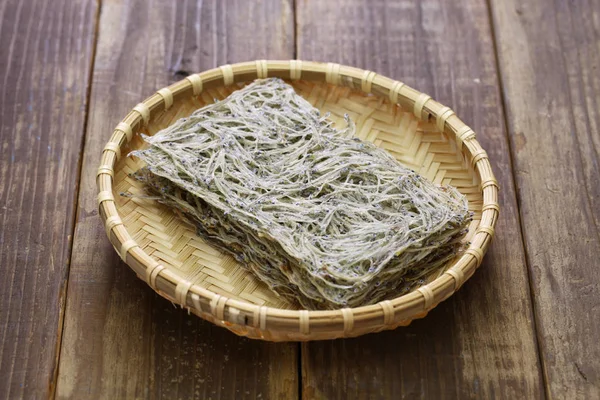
386	314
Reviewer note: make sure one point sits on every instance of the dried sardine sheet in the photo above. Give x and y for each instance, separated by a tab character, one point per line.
321	217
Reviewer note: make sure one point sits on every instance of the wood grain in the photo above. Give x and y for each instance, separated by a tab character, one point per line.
45	62
481	342
121	340
551	78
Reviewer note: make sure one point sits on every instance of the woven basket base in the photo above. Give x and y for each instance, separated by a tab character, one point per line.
158	231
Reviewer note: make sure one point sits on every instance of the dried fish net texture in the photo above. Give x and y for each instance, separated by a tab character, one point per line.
322	218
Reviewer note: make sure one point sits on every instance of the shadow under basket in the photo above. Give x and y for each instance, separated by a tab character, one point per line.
166	252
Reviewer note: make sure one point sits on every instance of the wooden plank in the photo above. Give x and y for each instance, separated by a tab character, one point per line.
121	340
45	53
481	342
551	78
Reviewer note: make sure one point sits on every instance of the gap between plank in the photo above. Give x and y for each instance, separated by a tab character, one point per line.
299	367
518	200
295	19
64	291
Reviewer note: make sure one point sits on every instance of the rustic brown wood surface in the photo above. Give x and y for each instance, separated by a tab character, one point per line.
121	340
480	343
551	77
494	63
45	62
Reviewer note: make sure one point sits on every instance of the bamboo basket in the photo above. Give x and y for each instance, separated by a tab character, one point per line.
166	253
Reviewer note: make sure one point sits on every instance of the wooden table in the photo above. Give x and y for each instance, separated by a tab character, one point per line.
76	323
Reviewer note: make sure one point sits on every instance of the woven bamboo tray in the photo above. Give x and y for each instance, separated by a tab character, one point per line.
167	254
